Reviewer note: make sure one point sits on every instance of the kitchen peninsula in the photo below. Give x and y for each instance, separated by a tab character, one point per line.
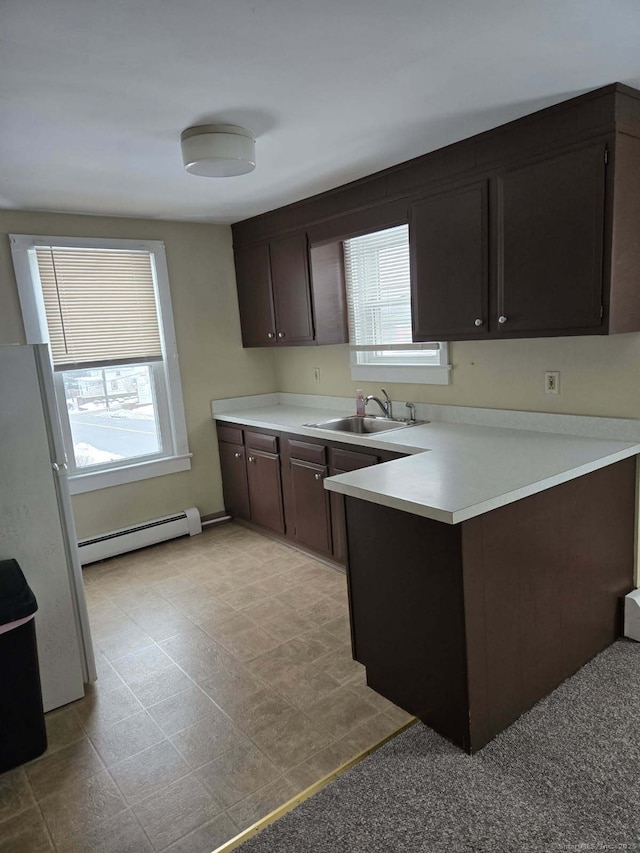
484	567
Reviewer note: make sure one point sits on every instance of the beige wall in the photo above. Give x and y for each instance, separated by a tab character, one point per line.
599	375
212	361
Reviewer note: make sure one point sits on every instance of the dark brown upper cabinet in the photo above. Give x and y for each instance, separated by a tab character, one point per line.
289	294
526	230
449	239
291	291
548	234
253	275
550	239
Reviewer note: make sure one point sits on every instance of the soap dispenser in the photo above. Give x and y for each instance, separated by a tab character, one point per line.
361	403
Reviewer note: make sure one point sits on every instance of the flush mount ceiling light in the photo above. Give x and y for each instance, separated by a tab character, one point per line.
218	150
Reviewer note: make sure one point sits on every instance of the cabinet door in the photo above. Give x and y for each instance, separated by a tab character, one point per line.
291	290
338	523
328	294
255	302
348	460
234	479
311	501
448	240
550	242
265	491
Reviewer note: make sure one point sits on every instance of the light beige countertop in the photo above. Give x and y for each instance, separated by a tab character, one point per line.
455	471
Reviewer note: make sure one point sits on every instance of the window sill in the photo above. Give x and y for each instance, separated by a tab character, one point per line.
81	483
412	374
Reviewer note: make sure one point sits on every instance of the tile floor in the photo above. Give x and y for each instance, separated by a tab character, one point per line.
226	686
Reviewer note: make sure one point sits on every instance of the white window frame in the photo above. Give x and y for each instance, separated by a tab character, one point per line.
170	403
388	369
424	363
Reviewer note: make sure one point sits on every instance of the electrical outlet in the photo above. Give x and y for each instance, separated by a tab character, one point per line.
552	382
316	374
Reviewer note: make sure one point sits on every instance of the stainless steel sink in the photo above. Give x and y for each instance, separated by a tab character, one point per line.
364	426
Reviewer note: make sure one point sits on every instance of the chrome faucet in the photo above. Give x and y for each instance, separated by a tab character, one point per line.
412	412
386	407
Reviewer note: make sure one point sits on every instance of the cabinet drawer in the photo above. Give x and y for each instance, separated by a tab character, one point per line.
230	433
307	451
349	460
261	441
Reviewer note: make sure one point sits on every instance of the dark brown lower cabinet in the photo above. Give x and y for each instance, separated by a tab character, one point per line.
277	481
251	482
314	517
467	626
312	524
338	523
307	503
233	465
342	461
265	490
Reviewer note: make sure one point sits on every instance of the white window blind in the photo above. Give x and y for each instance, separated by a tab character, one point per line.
378	287
100	306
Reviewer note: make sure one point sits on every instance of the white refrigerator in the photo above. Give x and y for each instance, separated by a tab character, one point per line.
36	521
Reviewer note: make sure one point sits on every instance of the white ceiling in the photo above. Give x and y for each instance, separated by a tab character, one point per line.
94	93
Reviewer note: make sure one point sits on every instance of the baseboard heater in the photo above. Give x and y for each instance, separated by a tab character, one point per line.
151	532
632	615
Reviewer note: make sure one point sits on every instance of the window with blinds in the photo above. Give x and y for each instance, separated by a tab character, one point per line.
100	306
378	281
104	308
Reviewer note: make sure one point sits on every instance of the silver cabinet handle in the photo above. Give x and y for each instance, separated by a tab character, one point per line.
477	322
502	319
238	455
271	336
252	459
318	476
281	335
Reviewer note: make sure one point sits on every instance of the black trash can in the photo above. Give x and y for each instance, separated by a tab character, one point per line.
23	735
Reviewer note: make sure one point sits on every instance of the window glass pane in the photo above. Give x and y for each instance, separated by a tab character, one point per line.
112	412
